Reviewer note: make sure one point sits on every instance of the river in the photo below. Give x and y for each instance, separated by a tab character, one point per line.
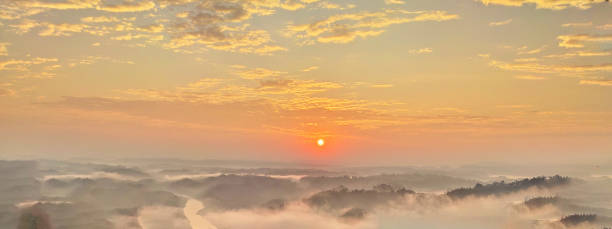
196	220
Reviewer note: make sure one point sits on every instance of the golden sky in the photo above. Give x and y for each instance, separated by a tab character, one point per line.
382	81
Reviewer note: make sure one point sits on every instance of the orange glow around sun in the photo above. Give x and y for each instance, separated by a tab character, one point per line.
320	142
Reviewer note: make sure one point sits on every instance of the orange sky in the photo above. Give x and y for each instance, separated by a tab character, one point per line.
383	82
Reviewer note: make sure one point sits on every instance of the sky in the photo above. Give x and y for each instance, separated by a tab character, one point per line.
381	81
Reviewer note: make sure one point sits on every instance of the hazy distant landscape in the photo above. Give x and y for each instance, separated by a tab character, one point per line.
155	193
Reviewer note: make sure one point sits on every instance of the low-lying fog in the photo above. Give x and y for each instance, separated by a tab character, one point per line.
162	194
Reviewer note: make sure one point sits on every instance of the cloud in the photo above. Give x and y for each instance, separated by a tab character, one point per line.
579	54
64	29
596	82
344	28
129	37
100	19
220	25
204	83
127	6
530	77
7	92
577	24
605	27
382	85
541	68
311	68
25	26
205	29
59	5
225	92
152	28
297	216
258	73
23	65
515	106
263	50
394	2
16	12
58	181
484	55
524	51
342	34
577	41
96	59
60	29
329	5
289	102
3	49
282	105
292	5
546	4
500	23
162	217
421	51
122	7
526	60
123	170
182	14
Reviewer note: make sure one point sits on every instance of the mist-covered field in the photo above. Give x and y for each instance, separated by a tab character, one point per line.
161	194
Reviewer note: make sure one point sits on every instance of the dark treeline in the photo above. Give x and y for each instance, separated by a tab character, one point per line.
341	197
501	188
414	181
539	202
566	206
575	219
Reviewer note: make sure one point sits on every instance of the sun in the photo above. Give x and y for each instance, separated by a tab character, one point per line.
320	142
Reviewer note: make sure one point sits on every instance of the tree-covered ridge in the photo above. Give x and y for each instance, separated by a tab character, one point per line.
501	187
576	219
341	197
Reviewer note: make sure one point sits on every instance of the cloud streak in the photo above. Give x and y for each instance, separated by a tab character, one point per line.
500	23
345	28
607	83
546	4
577	41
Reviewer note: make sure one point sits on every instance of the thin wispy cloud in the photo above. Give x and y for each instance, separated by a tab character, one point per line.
578	24
579	40
421	51
530	77
500	23
602	82
545	4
